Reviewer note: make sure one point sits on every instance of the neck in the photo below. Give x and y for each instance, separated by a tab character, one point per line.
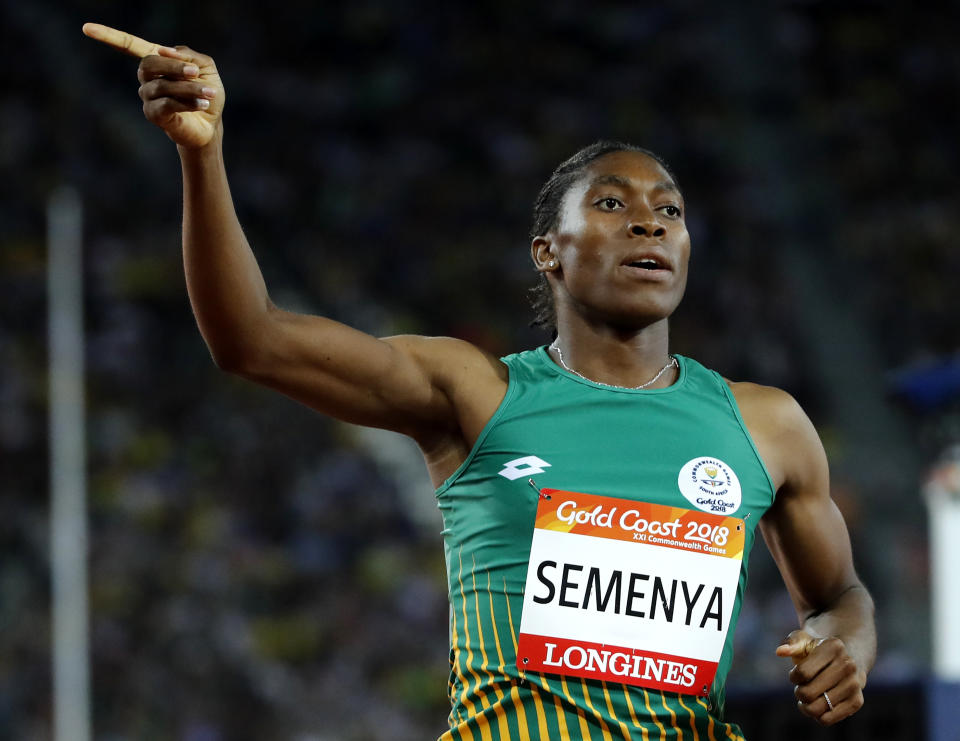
616	356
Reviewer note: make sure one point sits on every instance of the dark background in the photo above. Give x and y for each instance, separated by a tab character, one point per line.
258	571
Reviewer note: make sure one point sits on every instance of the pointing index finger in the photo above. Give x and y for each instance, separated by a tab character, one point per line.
120	40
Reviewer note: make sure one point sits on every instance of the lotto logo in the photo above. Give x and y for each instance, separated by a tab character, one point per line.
526	466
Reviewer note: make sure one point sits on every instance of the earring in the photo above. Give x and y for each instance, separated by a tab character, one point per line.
552	263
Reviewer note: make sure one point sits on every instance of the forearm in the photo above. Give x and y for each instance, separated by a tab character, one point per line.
224	282
851	619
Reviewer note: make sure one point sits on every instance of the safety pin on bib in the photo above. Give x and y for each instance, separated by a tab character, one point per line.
538	489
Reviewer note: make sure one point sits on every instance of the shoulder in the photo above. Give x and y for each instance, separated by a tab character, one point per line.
767	406
786	438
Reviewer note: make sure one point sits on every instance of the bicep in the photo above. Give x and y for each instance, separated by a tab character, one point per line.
804	529
395	383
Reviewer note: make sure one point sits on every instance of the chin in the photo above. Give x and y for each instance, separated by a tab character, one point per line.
628	309
636	318
643	313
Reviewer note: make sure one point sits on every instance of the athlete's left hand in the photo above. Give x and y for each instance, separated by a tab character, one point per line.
823	668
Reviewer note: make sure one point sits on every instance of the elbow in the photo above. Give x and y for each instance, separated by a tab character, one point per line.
241	349
854	596
232	359
230	363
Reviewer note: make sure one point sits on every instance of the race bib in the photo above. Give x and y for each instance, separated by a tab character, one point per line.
628	591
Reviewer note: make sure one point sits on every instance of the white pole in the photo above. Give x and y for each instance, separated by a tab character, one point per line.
68	532
943	499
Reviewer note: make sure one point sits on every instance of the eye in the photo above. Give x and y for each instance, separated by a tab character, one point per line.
672	212
609	204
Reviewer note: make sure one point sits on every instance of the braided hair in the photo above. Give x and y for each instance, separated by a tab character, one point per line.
546	214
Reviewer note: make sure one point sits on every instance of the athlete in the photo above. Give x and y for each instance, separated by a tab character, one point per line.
603	429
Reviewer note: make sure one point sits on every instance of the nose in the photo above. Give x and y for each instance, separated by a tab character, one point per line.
646	228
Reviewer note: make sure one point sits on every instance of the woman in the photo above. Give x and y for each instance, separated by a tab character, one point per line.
575	480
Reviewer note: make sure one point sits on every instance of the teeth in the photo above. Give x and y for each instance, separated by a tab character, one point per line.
648	263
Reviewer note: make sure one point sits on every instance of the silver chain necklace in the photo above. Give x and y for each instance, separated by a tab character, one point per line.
672	364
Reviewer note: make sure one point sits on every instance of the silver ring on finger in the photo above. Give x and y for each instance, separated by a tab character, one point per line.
827	698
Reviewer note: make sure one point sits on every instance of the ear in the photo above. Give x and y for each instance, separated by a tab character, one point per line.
543	254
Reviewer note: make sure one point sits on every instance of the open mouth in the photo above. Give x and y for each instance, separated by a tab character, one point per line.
647	264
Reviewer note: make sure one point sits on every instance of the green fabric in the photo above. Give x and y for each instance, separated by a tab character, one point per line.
621	443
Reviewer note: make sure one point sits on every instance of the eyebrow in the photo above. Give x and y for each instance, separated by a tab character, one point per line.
623	182
611	180
666	185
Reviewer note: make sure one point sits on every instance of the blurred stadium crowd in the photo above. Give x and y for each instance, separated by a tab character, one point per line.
260	572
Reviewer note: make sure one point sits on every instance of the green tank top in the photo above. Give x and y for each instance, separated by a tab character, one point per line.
568	433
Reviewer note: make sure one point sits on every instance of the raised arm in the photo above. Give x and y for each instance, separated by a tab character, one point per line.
424	387
835	647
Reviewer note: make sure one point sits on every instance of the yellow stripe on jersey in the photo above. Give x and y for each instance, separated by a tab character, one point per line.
513	633
514	696
584	728
693	719
733	736
561	718
521	713
493	621
604	728
482	723
485	664
458	660
515	692
623	726
673	717
498	705
633	714
541	712
538	702
710	717
663	731
461	728
454	711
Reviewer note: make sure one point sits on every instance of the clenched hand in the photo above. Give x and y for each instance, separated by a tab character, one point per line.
828	684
